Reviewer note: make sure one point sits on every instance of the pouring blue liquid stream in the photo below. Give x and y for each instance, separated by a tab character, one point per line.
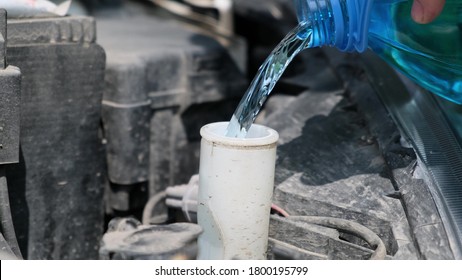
429	54
269	73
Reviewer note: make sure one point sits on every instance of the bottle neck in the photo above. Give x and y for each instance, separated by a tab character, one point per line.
340	23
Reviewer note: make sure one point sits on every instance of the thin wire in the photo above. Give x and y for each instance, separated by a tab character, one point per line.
279	210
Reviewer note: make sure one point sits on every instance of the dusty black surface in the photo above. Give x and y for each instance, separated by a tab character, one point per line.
56	190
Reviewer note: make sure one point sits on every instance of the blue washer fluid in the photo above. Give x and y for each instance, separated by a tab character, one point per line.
429	54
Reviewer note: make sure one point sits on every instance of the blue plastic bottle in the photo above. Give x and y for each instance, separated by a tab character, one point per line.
430	54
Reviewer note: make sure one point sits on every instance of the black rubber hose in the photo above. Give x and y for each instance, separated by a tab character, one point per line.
351	227
7	227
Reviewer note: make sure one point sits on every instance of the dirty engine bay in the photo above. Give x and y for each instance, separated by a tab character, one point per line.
99	137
